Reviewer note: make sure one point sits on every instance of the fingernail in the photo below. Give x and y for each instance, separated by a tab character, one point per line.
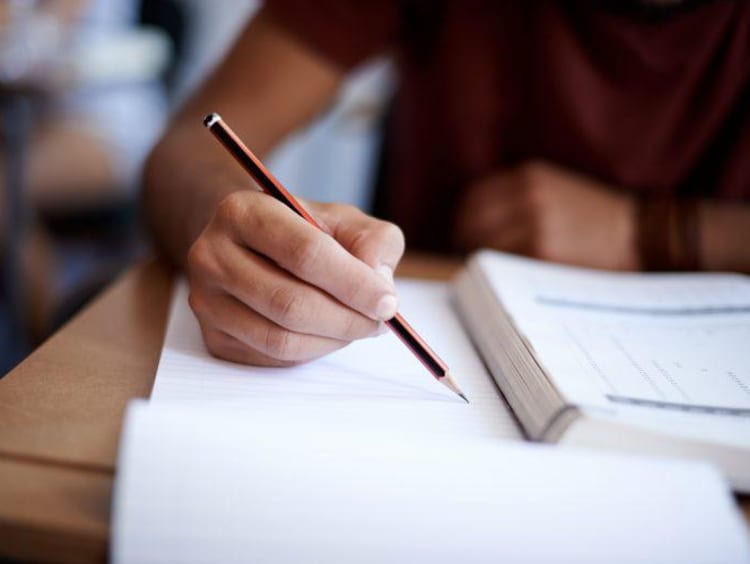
386	272
386	307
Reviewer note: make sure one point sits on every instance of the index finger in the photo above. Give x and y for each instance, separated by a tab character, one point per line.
270	228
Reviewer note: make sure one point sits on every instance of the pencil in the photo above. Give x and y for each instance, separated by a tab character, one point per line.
270	185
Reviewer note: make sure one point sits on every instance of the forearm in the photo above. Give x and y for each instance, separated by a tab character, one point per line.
725	236
189	173
185	178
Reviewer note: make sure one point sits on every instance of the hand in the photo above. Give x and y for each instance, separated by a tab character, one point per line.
543	211
270	289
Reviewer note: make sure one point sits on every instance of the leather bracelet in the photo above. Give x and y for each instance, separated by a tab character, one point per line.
668	233
689	223
653	233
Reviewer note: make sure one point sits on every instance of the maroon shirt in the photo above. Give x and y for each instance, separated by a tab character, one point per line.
647	100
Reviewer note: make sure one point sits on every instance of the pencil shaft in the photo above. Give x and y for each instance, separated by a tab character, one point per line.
245	157
418	346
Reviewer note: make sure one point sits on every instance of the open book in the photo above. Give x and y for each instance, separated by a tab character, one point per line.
650	363
362	457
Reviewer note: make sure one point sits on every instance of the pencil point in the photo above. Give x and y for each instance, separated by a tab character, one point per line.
449	383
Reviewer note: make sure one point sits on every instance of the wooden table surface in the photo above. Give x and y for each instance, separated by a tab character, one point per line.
61	412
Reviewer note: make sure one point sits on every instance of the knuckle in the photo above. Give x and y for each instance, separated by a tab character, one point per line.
287	307
232	208
393	234
279	343
304	253
359	243
348	210
195	301
342	210
204	264
215	344
381	241
199	256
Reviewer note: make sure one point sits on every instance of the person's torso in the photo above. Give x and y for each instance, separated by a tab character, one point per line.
645	101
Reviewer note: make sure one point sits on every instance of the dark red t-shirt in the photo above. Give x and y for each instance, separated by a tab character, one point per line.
646	100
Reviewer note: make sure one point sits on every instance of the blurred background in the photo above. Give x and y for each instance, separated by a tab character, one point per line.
85	90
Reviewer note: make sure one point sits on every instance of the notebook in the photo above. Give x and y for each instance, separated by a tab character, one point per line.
200	485
371	382
649	363
361	456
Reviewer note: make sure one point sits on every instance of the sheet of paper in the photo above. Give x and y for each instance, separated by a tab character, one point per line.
372	383
669	342
197	485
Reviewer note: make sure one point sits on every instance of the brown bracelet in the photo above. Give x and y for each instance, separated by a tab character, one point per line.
653	233
668	234
689	223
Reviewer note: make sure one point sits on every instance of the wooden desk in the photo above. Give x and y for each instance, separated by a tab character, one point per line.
61	411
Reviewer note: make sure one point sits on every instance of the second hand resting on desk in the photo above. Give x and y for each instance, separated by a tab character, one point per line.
271	186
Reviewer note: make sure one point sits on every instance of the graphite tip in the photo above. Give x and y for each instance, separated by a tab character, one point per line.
449	383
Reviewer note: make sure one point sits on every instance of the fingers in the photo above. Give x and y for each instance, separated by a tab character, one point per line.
270	289
286	301
224	346
267	227
379	244
246	335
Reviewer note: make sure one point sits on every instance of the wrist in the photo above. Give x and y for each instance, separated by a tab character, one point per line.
724	234
628	234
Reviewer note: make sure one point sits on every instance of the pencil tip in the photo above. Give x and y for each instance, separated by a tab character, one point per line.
449	383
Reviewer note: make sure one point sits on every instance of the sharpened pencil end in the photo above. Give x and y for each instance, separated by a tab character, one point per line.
449	383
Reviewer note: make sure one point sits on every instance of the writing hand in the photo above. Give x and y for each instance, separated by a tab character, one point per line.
270	289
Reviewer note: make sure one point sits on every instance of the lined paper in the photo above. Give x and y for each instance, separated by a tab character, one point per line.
373	383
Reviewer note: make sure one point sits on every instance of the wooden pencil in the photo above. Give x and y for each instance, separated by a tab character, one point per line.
270	185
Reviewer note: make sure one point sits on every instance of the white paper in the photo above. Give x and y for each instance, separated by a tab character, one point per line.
373	383
199	486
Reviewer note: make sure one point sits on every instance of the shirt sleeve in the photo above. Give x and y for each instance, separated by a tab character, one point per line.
346	32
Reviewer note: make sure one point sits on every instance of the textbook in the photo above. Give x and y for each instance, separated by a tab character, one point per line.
649	363
358	457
